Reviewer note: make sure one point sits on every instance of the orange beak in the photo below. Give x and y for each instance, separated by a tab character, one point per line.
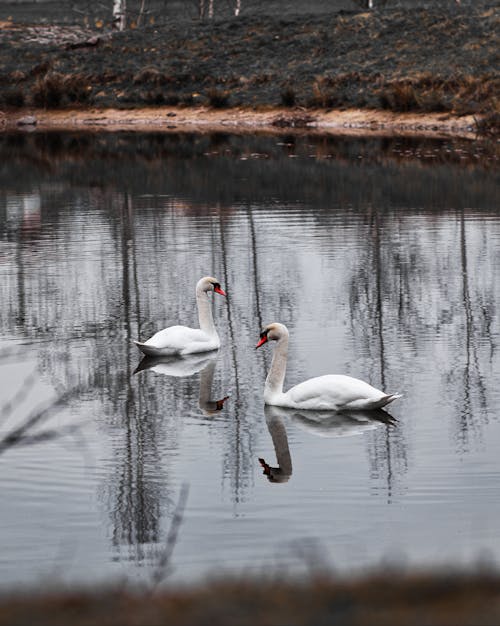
262	341
220	291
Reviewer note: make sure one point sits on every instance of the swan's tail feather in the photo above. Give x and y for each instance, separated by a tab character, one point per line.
147	349
384	400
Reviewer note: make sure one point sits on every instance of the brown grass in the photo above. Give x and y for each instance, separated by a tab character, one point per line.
489	125
390	599
427	93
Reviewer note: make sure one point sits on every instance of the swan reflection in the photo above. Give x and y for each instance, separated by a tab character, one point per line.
184	366
276	425
178	366
320	423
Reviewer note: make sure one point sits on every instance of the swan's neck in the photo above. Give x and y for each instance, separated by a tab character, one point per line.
276	376
205	313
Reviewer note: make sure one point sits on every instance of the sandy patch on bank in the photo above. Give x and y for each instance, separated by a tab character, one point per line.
236	120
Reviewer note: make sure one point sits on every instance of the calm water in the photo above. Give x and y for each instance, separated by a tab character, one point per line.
381	256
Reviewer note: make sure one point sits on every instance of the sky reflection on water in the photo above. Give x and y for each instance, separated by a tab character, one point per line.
383	267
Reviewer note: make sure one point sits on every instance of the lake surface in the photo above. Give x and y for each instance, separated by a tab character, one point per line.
382	257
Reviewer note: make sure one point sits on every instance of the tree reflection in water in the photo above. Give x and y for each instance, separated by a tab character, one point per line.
103	237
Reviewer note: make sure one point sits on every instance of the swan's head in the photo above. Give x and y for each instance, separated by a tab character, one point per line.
208	283
272	332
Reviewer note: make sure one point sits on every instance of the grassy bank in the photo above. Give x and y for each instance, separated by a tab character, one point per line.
438	59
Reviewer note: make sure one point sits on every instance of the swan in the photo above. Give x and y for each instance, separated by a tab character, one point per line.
331	392
181	340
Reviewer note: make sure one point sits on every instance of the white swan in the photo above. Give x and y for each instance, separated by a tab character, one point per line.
182	339
332	392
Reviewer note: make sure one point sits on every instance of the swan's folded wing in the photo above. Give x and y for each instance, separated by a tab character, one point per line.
177	338
333	390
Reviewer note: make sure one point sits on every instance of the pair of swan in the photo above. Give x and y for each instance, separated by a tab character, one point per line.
331	392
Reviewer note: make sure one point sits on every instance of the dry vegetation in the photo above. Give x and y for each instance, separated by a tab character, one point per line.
441	58
390	599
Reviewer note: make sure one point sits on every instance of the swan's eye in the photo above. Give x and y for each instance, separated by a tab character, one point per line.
263	334
216	285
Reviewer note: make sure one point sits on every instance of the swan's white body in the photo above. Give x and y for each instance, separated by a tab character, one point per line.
182	340
331	392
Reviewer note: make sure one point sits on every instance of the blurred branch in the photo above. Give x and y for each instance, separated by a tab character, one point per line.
163	567
21	435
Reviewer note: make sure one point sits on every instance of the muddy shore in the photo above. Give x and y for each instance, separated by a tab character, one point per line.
241	120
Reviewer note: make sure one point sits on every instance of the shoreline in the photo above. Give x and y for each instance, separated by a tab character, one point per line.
242	120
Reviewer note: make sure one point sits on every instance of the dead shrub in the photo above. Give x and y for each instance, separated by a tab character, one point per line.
324	93
14	98
48	90
428	93
54	90
489	125
218	98
186	100
150	76
288	96
475	94
40	68
171	99
154	96
399	96
77	90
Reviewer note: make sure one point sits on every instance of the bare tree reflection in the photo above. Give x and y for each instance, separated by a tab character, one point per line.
135	499
368	293
469	416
